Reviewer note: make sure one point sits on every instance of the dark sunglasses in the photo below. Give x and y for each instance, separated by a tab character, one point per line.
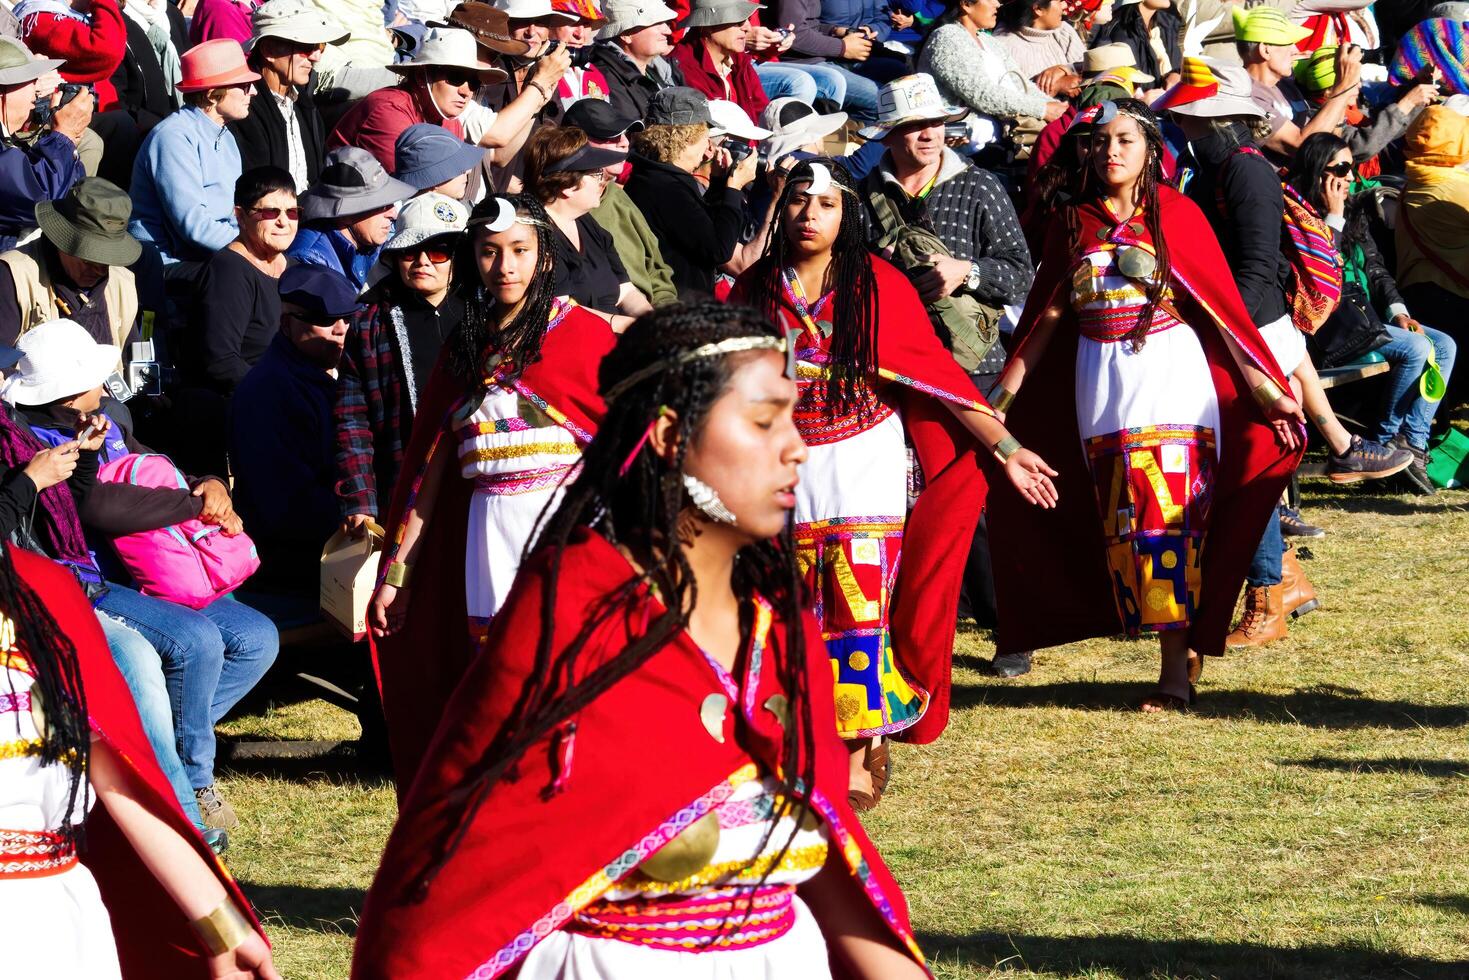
270	214
1338	169
458	79
437	254
320	320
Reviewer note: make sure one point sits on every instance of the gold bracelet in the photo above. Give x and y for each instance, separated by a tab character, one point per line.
223	929
1266	393
399	573
1002	398
1006	448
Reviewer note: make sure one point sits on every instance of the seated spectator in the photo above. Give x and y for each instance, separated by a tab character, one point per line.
77	268
238	292
284	127
431	159
974	70
616	214
577	27
1153	30
1266	42
913	19
1319	173
359	65
390	353
699	231
567	175
1315	75
222	18
282	434
804	80
1047	48
436	88
184	178
212	656
950	226
1440	43
43	170
349	213
1433	225
633	52
146	80
712	54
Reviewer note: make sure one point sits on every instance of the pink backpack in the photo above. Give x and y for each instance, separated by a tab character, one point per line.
192	563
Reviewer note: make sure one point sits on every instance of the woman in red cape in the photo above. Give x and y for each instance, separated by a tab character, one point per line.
171	909
513	400
1147	385
661	619
874	378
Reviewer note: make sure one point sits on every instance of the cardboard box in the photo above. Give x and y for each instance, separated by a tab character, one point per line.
348	575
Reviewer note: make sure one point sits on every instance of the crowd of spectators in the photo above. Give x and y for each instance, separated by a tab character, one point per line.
239	230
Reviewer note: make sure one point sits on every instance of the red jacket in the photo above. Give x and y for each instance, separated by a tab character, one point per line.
377	121
692	58
92	51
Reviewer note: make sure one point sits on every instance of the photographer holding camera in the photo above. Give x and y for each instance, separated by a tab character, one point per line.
38	145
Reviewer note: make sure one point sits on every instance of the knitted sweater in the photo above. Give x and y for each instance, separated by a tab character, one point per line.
1036	50
978	72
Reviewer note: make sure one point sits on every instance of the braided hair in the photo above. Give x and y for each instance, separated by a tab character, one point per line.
850	275
482	333
1148	182
635	498
41	640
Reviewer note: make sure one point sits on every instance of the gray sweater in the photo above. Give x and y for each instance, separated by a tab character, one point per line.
957	59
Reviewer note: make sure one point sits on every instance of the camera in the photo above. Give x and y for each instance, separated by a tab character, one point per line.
43	116
956	131
738	150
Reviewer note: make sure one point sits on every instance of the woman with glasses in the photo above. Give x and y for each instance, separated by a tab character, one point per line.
391	351
240	310
567	174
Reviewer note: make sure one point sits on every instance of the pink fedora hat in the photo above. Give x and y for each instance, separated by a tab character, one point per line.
215	64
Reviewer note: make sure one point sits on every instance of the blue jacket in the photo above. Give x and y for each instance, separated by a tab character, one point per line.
184	187
333	249
858	13
44	171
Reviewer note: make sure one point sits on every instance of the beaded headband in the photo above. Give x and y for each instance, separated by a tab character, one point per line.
734	345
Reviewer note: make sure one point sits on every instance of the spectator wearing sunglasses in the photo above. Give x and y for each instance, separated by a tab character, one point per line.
391	350
284	128
438	86
239	305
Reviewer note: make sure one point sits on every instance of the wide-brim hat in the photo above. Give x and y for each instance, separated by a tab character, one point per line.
794	123
427	155
1267	25
219	63
294	20
352	182
425	218
910	99
58	359
490	27
580	11
18	65
631	15
1210	89
1110	57
720	13
91	223
450	47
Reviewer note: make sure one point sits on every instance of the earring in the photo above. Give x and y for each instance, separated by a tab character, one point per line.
707	500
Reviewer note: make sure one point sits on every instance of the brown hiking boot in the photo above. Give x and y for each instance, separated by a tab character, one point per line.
1262	622
1298	597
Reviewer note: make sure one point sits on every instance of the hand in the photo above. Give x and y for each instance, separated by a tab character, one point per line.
762	39
1054	110
217	506
900	20
52	466
787	40
856	47
548	70
389	606
1049	81
47	84
1032	477
1337	190
1348	69
248	961
356	524
232	525
1287	420
72	119
744	172
1406	322
1417	96
946	276
104	424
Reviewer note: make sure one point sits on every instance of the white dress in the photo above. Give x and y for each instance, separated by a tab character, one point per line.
53	924
517	458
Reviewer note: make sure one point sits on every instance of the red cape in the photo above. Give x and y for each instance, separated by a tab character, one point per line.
153	937
527	863
419	667
919	374
1051	580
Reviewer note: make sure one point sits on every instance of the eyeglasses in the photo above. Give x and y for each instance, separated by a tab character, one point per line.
458	79
270	214
318	320
300	47
437	254
1338	169
600	176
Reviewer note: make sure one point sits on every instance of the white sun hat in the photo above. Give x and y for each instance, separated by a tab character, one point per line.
731	120
58	359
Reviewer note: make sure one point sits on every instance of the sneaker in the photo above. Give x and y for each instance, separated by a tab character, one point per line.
1366	460
218	840
1292	525
1010	664
215	809
1416	475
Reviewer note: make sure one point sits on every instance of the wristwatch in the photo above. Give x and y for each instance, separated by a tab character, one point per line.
971	281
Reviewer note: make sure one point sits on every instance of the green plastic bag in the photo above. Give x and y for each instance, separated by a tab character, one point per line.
1448	460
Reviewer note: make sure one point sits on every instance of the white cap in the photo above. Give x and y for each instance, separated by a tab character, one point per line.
58	359
427	216
729	119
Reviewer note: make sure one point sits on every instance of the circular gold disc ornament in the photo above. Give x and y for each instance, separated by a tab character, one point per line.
687	853
1137	263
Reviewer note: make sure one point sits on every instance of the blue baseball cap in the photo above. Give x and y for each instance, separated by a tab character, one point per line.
428	154
319	292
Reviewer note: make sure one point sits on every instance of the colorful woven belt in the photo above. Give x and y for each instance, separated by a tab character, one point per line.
1108	326
34	853
718	920
522	481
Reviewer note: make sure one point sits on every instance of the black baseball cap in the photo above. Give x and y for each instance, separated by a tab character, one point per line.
599	120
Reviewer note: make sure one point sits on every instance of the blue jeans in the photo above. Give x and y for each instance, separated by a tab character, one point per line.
1265	566
1408	411
861	98
211	658
805	82
142	670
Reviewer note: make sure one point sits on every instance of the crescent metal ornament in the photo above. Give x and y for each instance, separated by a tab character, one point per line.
504	218
711	713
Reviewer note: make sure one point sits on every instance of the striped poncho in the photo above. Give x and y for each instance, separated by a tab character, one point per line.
1437	43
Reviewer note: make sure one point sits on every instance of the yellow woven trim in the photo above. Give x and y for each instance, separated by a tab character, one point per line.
727	872
29	747
519	451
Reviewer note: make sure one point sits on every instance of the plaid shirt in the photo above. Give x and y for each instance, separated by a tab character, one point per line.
374	415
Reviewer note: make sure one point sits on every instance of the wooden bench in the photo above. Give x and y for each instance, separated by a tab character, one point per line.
1371	363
